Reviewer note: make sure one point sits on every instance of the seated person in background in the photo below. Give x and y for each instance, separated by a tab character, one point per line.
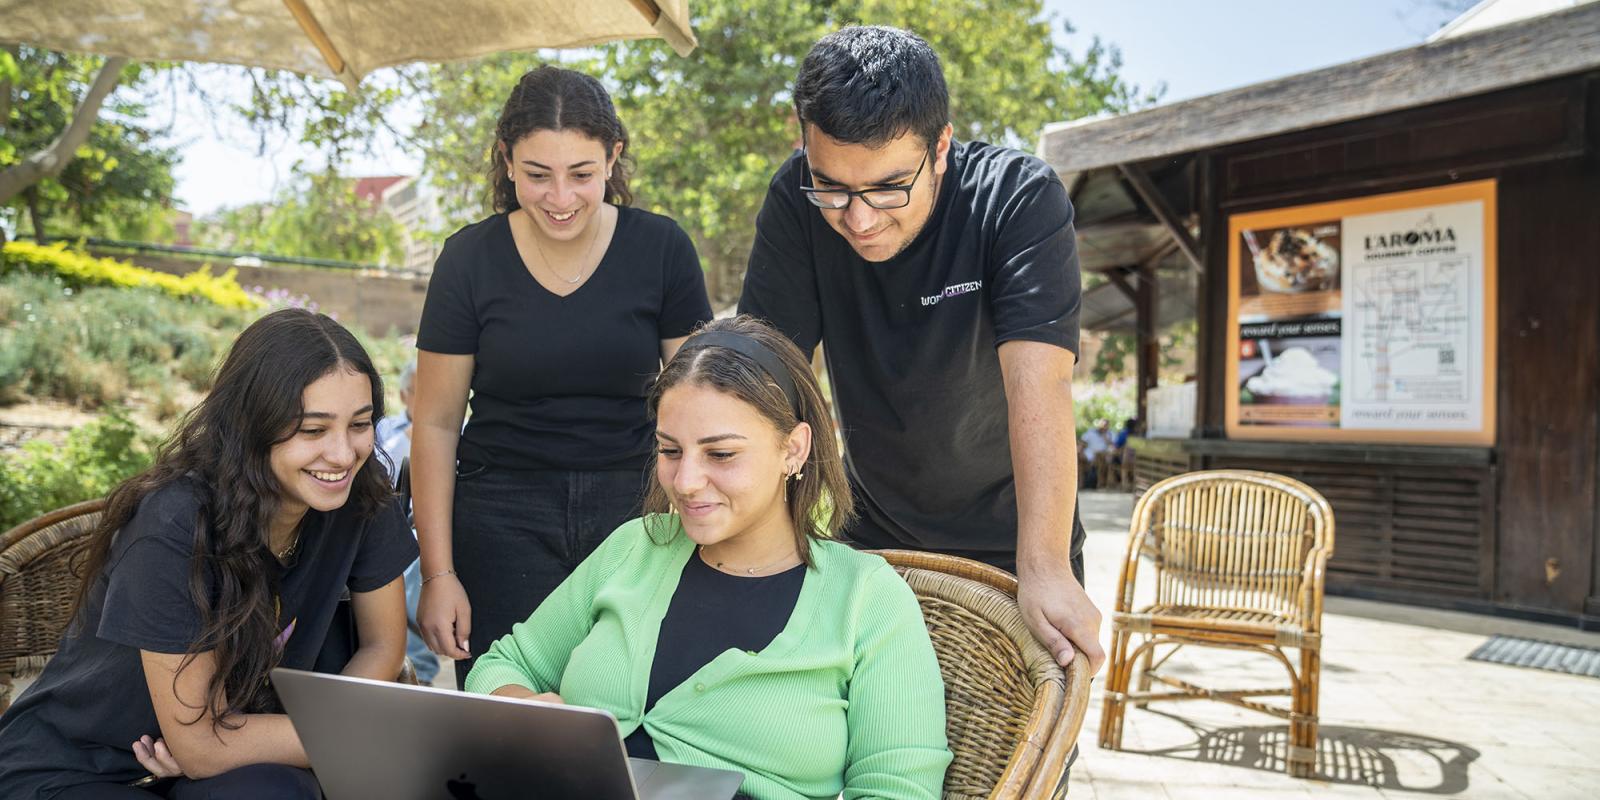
394	439
726	628
1095	441
1129	428
224	559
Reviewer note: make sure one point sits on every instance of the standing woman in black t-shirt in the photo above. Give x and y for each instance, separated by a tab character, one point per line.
552	315
223	560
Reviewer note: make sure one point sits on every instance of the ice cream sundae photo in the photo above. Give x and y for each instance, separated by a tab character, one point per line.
1294	260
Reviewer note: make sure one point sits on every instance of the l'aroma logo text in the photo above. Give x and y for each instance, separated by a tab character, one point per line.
1427	233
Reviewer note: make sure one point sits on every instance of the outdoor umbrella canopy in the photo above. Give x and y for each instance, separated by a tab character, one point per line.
343	39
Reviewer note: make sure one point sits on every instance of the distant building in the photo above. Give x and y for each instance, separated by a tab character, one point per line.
415	206
182	228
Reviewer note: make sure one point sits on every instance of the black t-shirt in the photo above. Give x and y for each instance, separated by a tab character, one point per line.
77	722
911	342
560	382
712	612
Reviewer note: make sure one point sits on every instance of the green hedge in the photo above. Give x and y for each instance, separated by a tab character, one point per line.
80	270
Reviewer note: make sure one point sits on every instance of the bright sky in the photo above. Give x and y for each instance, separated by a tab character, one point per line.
1196	48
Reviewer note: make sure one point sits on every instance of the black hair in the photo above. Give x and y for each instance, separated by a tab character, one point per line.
225	444
871	85
556	99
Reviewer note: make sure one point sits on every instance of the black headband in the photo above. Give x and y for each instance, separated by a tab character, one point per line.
755	351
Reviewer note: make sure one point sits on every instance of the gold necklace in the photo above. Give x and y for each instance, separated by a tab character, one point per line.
588	254
720	565
294	545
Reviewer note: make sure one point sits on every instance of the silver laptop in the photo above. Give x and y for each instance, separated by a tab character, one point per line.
371	739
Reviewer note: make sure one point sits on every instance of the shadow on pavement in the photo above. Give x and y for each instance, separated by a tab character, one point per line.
1355	756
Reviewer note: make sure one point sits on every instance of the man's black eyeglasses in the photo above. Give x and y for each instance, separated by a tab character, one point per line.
888	197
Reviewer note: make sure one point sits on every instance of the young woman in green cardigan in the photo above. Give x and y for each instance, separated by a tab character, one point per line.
726	628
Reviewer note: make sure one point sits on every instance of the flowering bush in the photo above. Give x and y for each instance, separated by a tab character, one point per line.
80	270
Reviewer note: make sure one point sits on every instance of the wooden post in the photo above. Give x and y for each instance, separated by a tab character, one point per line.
1149	343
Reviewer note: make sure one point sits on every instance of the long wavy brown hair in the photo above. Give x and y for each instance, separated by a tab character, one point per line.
819	501
224	446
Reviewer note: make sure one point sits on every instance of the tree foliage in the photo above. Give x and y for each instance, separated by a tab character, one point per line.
709	130
119	182
317	216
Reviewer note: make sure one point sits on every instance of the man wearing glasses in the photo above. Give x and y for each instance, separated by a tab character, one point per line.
942	278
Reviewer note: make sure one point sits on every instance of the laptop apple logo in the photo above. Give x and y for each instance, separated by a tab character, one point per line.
462	789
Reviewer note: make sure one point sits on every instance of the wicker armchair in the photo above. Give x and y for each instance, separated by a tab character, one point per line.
1238	562
1012	715
37	587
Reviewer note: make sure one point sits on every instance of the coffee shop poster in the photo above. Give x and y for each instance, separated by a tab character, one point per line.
1365	320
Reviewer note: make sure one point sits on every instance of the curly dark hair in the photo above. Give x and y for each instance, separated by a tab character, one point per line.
555	99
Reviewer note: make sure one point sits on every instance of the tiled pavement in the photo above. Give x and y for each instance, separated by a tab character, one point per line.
1404	714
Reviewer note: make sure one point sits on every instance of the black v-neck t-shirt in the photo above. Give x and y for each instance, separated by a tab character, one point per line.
911	342
560	382
77	723
712	612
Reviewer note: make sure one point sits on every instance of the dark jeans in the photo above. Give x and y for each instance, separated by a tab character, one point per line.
263	781
518	534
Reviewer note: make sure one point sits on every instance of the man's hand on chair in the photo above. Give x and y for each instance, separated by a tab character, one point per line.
1059	613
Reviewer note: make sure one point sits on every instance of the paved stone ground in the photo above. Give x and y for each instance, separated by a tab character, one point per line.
1404	714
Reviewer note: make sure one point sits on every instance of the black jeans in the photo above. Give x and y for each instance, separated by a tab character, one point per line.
517	534
263	781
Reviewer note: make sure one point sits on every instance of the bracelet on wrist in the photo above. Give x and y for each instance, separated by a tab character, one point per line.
438	575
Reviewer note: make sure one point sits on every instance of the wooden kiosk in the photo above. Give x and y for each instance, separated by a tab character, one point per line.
1395	265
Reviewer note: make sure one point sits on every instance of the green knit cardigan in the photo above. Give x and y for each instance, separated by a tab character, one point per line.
846	699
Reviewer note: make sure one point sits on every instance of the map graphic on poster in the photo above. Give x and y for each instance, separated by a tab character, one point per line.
1413	331
1367	320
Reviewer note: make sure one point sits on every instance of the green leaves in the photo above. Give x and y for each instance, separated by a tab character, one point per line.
318	216
120	181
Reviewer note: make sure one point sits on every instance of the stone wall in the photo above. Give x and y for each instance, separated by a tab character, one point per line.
375	302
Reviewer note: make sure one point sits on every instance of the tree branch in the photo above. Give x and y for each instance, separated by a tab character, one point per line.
49	162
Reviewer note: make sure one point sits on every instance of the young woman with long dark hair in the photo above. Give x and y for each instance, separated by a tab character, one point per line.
223	560
726	628
552	315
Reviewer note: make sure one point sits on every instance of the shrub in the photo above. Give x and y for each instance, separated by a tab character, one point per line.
40	477
92	347
79	270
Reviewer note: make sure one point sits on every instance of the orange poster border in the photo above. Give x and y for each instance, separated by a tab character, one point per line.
1483	191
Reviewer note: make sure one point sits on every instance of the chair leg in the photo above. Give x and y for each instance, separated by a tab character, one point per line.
1117	674
1146	664
1303	724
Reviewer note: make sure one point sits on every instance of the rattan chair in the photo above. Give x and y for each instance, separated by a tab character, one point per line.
1237	559
37	587
1012	716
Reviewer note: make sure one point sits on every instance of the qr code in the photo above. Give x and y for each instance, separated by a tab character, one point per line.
1447	357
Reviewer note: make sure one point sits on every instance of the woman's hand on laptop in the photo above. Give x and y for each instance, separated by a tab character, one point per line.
524	693
154	756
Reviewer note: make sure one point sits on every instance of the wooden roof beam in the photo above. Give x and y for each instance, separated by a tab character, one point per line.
1139	181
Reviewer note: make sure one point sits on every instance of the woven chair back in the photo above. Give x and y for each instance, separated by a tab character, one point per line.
1236	540
38	585
1011	714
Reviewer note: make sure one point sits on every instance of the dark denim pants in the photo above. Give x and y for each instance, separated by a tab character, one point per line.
518	534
